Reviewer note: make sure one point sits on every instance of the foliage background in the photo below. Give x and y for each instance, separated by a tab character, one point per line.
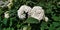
51	8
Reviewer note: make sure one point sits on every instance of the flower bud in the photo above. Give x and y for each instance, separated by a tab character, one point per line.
46	19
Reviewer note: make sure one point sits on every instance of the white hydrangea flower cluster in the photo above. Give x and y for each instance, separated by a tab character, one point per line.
36	12
23	9
6	14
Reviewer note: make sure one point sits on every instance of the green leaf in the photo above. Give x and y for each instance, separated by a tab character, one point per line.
1	11
44	26
51	27
0	18
32	20
10	28
18	25
56	18
29	28
5	21
4	28
54	25
10	23
58	28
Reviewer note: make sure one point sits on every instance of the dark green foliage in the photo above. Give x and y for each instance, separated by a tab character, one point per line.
32	20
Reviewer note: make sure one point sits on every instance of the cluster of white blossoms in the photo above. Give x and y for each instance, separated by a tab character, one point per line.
36	12
6	14
23	9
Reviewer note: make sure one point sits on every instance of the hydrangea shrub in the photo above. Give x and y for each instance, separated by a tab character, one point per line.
51	10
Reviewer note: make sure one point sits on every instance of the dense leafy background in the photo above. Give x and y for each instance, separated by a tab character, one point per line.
51	8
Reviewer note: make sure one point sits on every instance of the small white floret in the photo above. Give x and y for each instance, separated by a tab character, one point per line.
46	19
6	14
